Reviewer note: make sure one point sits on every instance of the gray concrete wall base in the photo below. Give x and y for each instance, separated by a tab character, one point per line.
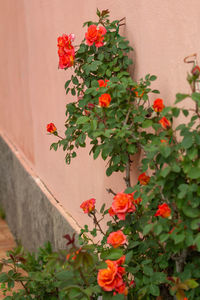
32	213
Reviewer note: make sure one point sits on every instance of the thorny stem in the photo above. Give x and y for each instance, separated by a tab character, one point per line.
110	191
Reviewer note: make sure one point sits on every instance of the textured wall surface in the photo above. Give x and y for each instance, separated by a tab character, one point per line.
32	88
32	213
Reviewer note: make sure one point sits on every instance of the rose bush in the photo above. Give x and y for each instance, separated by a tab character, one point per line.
154	225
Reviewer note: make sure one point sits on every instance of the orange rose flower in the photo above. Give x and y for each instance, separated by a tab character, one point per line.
104	100
158	105
111	278
123	204
94	35
143	179
165	123
163	211
116	239
88	205
51	128
106	277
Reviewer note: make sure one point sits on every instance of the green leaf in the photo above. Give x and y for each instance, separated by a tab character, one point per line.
155	92
102	208
67	83
197	241
187	141
148	270
163	237
194	173
195	224
153	77
129	256
165	150
157	228
179	238
54	146
185	112
129	190
147	228
147	123
114	253
196	97
75	80
82	120
191	283
165	171
180	97
190	212
154	290
96	153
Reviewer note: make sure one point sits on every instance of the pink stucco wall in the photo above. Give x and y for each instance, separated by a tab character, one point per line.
32	88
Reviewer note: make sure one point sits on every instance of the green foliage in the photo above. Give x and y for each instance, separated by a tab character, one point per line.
49	275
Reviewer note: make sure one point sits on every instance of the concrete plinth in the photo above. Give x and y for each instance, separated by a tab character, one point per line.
32	213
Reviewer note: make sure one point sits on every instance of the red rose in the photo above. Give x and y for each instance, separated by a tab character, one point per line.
143	179
165	123
94	35
51	128
163	211
158	105
103	83
123	204
116	239
104	100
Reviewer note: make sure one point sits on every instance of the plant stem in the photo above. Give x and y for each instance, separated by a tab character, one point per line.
127	178
110	191
96	222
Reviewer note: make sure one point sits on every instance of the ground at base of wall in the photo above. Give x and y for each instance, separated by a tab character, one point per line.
6	243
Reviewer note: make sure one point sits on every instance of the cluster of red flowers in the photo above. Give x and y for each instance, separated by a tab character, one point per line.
95	35
111	278
66	51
